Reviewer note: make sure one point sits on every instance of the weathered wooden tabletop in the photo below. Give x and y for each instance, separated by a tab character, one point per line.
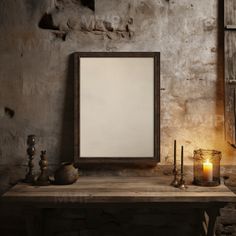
118	190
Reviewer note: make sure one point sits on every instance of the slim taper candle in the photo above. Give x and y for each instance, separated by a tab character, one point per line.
174	153
182	159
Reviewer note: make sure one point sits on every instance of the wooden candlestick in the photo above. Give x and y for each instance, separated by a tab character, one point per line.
29	178
43	178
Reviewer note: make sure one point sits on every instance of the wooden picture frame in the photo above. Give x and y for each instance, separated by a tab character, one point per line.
117	161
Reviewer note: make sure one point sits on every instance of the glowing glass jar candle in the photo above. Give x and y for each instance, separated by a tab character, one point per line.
207	171
206	167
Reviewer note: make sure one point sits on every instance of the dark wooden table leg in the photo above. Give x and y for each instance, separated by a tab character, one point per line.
33	219
212	215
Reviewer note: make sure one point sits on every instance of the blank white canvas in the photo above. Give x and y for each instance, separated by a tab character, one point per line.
116	107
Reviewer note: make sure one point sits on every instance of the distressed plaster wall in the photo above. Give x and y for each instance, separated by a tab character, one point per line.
36	74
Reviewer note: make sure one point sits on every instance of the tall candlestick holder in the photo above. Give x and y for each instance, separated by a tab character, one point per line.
175	181
31	140
182	184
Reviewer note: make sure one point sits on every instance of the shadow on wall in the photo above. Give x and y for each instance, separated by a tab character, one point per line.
67	132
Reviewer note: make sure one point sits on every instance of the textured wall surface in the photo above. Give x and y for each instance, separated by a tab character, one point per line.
36	73
36	43
36	70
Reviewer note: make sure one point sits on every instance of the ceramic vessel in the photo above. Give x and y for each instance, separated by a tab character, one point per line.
66	174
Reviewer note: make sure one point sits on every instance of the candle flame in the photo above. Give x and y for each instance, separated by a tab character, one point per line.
207	161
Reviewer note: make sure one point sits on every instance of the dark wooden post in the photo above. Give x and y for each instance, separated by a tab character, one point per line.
230	70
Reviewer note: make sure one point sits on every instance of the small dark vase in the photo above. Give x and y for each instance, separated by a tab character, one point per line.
66	174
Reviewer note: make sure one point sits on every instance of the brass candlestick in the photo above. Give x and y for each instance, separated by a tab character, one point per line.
43	178
29	178
175	181
182	184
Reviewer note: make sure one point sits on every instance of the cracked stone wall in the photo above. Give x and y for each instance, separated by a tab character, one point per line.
36	72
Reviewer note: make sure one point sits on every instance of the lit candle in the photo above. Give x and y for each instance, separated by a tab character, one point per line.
207	171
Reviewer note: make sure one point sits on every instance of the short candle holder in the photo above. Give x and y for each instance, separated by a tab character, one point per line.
182	184
175	182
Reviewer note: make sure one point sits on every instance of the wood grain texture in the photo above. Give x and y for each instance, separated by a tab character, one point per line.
230	85
230	12
118	190
230	56
230	93
230	70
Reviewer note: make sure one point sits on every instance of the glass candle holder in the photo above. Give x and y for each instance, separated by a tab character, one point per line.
206	168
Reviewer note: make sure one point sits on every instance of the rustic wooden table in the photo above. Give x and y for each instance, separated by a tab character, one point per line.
123	191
